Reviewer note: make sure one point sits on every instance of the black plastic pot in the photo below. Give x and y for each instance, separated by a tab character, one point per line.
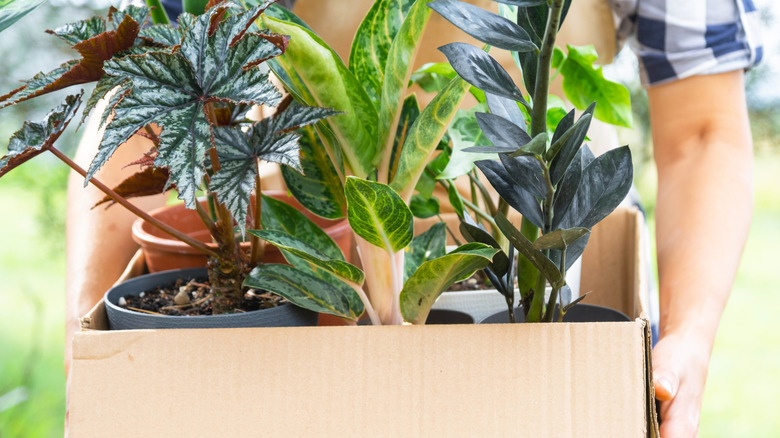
122	319
446	316
578	313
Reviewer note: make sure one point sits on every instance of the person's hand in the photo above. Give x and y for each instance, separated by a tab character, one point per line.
679	372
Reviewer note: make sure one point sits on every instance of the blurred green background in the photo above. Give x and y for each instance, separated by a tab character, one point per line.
744	375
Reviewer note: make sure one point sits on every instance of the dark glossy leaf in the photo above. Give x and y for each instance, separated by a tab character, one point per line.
573	252
306	290
521	3
480	70
427	246
302	249
12	11
424	207
501	131
527	250
378	214
559	239
567	189
567	145
492	150
319	187
528	63
563	127
435	276
94	51
536	147
171	89
484	26
584	83
518	198
567	307
277	215
526	172
473	233
506	108
148	182
36	138
424	136
371	45
605	183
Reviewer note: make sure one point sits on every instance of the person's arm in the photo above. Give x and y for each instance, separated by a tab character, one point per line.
99	244
703	152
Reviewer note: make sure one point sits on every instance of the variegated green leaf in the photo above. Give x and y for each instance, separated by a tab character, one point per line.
371	45
424	136
277	215
409	113
306	290
435	276
318	187
397	71
37	137
302	249
316	72
378	214
464	131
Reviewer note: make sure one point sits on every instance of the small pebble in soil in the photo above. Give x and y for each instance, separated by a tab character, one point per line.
122	302
181	298
142	294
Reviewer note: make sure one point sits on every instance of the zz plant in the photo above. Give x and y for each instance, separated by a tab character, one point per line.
195	83
554	181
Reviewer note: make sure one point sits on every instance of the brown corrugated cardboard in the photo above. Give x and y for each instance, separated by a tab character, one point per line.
583	380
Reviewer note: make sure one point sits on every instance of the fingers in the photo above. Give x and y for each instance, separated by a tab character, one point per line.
666	385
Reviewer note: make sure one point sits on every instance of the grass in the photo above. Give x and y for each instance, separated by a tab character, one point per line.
740	395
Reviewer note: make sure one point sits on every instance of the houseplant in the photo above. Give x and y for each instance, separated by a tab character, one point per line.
557	184
196	83
167	76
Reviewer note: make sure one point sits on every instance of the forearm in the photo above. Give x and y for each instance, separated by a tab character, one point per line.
703	152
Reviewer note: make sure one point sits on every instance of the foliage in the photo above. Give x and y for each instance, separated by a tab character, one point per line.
543	170
368	161
195	82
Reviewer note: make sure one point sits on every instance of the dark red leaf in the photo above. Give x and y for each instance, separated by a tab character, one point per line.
150	181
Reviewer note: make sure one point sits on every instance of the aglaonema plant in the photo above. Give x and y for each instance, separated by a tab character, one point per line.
187	89
365	164
543	170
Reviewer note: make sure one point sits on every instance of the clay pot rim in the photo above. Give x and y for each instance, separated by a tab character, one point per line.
142	236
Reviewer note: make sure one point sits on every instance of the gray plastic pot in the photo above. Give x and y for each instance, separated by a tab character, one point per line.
122	319
578	313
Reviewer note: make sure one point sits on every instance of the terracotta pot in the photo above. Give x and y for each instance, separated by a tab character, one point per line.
162	252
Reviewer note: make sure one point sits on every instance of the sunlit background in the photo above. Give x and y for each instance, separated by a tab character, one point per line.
744	380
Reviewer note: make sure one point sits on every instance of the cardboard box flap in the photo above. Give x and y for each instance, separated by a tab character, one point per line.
584	380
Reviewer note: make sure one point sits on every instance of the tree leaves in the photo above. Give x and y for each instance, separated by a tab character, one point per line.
37	137
173	89
485	26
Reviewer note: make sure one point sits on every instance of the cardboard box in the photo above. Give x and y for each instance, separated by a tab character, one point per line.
540	380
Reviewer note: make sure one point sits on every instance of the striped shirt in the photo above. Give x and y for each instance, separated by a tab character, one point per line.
675	39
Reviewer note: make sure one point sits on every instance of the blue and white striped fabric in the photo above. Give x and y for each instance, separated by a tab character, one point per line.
675	39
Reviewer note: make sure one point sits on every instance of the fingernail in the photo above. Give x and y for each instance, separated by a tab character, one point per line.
668	388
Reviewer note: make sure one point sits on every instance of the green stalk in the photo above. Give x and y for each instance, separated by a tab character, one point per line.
538	126
158	12
257	244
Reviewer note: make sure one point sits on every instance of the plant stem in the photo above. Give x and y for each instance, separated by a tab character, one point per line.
158	12
541	90
366	304
258	245
196	244
548	316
